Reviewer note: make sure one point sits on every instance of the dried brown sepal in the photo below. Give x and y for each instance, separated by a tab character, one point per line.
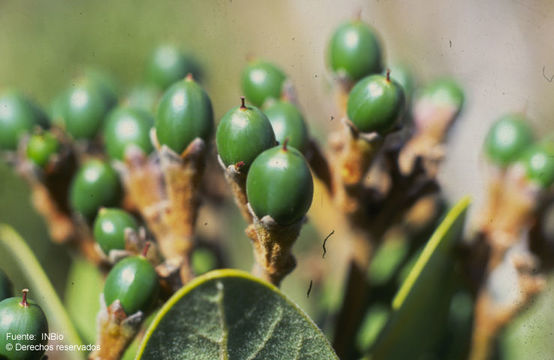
236	178
491	317
49	186
432	122
353	158
272	245
116	330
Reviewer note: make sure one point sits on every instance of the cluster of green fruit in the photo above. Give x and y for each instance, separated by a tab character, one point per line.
511	142
23	325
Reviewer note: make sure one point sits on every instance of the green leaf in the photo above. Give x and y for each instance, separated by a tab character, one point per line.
420	307
12	245
82	297
228	315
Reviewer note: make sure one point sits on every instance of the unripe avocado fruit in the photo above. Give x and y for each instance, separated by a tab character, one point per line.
86	106
18	115
355	50
288	123
169	64
109	228
127	126
20	317
242	134
375	104
507	138
280	184
95	185
184	113
262	80
41	147
134	282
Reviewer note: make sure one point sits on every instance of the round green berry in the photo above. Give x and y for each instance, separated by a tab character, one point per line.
203	260
508	137
105	81
279	184
144	97
538	161
375	104
127	126
134	282
168	64
243	133
109	228
18	115
355	51
86	106
184	114
445	91
95	185
288	123
261	81
57	110
21	316
5	286
41	147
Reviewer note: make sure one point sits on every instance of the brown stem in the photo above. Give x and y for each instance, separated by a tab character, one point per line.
24	302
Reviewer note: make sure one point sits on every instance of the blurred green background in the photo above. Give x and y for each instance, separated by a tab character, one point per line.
500	50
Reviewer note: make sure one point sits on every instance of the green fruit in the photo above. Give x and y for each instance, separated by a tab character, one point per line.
134	282
95	185
109	228
288	123
105	81
86	106
203	260
445	91
18	115
403	75
538	161
41	147
57	110
20	316
243	133
375	103
508	137
262	81
169	64
355	50
184	113
5	286
144	97
279	184
127	126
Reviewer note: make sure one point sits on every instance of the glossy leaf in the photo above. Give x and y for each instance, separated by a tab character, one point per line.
420	307
228	314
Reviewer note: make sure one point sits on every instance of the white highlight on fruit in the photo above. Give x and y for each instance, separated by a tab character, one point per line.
128	275
91	175
506	135
79	98
178	101
375	90
352	38
127	127
108	226
258	76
